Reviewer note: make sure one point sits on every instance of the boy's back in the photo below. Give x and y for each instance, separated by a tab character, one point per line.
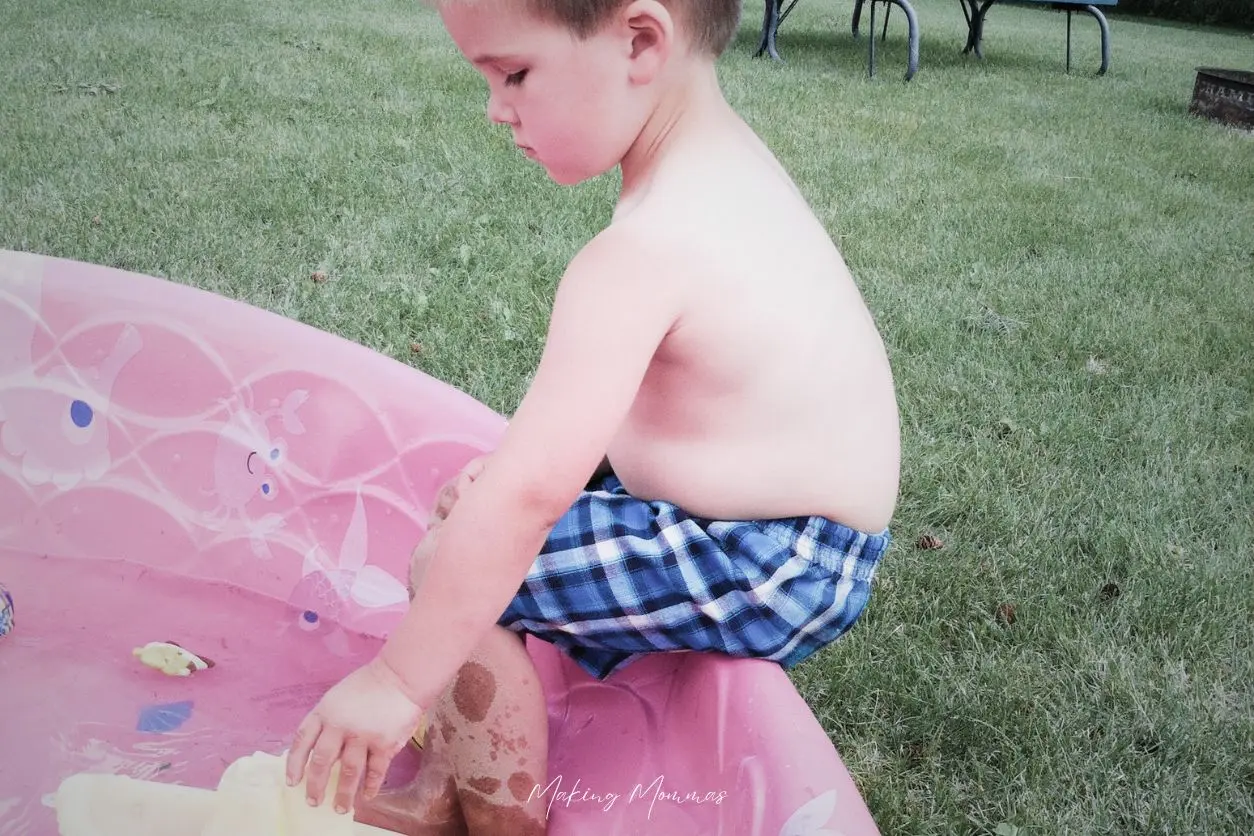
771	395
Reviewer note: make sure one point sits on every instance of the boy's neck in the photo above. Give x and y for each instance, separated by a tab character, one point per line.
687	108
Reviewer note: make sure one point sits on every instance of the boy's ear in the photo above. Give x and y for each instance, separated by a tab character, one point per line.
651	28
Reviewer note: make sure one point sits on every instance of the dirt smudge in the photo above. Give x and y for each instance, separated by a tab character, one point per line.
520	786
474	691
511	745
485	785
484	816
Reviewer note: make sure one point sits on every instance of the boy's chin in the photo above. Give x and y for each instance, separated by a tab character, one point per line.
566	179
570	177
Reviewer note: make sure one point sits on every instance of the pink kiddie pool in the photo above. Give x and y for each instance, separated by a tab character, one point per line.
179	467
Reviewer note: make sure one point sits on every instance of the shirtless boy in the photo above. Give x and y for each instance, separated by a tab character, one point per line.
709	358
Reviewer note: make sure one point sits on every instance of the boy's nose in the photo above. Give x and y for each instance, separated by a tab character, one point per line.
499	112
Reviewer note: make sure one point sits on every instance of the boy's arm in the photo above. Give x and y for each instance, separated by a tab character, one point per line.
584	386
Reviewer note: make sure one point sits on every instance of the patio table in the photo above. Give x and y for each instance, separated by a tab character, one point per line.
776	12
975	12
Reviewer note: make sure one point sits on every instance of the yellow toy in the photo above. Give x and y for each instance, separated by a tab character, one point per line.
6	611
251	799
420	733
171	659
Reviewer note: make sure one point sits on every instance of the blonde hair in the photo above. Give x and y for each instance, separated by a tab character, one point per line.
709	24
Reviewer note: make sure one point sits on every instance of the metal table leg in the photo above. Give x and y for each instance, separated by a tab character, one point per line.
971	11
770	26
1105	27
912	22
912	42
976	12
1101	23
773	15
976	36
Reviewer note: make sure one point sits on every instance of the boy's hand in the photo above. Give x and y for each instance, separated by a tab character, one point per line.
444	501
363	722
453	489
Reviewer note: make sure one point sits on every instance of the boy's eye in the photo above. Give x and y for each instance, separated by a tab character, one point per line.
514	79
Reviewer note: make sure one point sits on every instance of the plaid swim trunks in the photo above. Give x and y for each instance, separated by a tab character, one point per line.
619	577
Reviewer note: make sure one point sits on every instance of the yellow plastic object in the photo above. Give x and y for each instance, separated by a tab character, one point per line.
252	799
420	733
170	659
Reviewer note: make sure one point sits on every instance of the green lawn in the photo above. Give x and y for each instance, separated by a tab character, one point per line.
1062	265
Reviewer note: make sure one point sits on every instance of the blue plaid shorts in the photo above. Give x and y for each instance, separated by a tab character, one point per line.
619	577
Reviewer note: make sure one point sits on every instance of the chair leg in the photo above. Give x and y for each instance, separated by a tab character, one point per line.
770	25
912	22
1105	29
1068	41
1105	35
871	46
974	43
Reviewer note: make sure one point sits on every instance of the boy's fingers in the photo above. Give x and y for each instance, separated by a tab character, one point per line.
376	771
463	481
306	736
453	488
445	499
352	765
325	753
475	469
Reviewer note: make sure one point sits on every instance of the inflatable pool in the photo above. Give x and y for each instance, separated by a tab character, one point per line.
179	467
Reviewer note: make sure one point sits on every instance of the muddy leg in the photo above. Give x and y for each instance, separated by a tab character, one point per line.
499	729
485	758
486	751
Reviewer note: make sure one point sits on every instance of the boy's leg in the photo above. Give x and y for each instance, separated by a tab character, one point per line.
486	751
486	741
498	733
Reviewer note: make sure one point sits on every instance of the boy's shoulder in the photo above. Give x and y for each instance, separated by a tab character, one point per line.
640	248
702	217
623	272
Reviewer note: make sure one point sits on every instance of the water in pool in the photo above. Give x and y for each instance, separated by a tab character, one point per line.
73	698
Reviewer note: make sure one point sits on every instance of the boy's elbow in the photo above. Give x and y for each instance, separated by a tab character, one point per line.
541	504
529	504
535	489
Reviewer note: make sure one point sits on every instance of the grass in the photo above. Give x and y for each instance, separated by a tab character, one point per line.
1061	265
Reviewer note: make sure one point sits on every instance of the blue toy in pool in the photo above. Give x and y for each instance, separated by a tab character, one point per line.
6	611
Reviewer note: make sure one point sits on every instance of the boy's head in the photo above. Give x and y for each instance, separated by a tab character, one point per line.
577	80
706	25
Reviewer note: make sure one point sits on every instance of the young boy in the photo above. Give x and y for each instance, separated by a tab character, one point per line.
706	460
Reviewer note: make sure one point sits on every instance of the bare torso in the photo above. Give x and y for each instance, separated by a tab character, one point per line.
772	395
